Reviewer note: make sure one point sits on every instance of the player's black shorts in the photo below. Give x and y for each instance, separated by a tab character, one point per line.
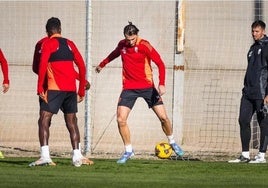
64	100
128	97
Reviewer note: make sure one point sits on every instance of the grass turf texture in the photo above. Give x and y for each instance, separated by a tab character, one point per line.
135	173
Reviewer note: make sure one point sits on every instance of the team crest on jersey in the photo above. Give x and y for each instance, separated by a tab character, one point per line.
259	51
124	51
136	49
250	54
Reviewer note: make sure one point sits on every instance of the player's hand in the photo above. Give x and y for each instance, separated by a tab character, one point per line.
43	96
79	99
161	90
98	69
265	101
87	86
5	88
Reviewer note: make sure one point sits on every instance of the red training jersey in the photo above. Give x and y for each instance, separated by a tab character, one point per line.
4	67
57	65
37	58
37	54
136	61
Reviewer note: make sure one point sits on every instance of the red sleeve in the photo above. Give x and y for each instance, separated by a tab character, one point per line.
4	67
37	55
43	66
155	57
77	78
79	61
114	54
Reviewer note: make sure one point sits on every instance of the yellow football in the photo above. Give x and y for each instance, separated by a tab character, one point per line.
163	150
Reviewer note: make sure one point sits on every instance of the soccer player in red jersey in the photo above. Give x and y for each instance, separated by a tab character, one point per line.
4	67
37	57
136	54
57	88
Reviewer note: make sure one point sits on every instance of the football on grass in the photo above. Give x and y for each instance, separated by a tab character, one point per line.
163	150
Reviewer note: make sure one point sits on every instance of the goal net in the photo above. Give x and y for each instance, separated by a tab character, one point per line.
203	89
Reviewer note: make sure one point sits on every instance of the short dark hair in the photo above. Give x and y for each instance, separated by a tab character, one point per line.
258	23
53	26
130	29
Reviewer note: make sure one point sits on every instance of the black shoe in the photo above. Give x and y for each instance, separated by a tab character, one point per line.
240	159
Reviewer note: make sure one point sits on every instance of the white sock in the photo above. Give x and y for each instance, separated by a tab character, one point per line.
76	154
245	154
128	148
79	146
171	139
262	155
45	152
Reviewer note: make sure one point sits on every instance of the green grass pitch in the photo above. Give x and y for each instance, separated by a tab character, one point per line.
138	173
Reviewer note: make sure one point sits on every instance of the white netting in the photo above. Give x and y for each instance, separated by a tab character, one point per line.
217	37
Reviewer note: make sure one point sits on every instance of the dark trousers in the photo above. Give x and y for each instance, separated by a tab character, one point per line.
247	108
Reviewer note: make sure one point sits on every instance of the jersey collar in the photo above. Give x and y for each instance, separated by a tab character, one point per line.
55	35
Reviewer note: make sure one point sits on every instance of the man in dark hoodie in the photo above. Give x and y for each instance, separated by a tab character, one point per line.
254	94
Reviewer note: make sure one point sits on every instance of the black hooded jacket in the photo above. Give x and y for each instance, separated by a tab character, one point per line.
256	78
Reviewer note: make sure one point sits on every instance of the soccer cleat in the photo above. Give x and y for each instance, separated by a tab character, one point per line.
177	149
1	155
240	159
43	162
82	161
258	159
125	157
86	161
77	162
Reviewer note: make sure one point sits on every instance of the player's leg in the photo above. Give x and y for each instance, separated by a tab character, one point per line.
47	109
264	134
154	101
69	108
126	102
262	118
245	116
265	141
122	115
160	111
43	127
71	124
43	132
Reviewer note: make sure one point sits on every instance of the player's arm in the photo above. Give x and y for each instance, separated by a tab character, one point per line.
87	84
4	67
36	58
43	70
114	54
37	54
78	60
265	54
161	71
155	57
5	88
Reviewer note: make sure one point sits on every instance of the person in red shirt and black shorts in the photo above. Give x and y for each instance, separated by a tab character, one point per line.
5	85
136	54
4	67
56	87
